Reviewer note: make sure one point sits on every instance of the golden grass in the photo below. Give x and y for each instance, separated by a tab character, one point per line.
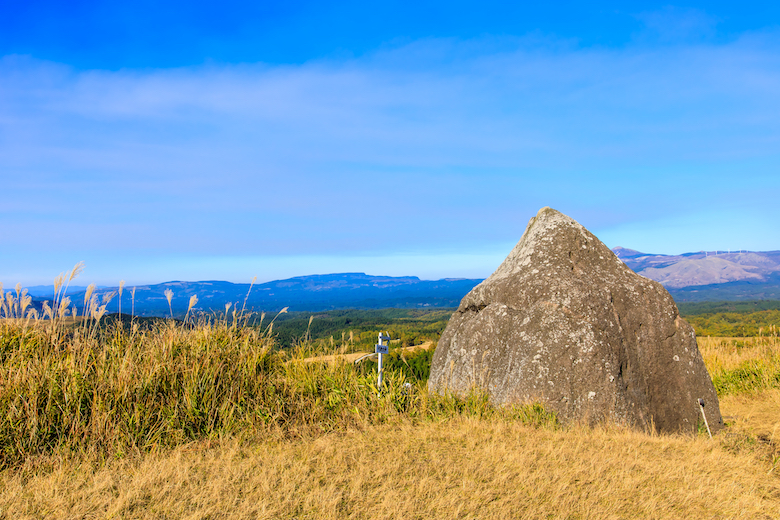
742	365
730	353
757	415
114	391
462	468
278	439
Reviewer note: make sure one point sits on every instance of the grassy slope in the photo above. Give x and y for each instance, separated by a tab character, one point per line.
742	365
410	326
461	468
413	326
332	450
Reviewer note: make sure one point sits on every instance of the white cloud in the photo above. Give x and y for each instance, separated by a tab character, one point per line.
433	145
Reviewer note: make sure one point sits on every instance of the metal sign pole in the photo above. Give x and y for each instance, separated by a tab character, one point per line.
701	405
380	349
379	377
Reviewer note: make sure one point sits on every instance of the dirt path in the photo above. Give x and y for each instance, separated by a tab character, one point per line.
350	358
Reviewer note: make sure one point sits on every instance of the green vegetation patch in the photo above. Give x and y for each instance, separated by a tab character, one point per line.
414	365
735	325
748	377
330	328
740	307
120	389
742	365
733	319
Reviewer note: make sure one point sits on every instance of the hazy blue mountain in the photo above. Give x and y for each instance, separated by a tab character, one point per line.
303	293
690	277
47	291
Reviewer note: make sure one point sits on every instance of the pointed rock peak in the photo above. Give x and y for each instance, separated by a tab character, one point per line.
548	212
554	251
564	322
547	218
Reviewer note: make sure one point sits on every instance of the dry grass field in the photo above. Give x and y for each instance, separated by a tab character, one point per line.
746	373
458	468
209	421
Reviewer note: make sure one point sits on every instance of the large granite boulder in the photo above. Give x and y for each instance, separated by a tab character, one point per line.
565	323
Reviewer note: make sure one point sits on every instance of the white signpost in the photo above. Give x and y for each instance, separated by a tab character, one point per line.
380	348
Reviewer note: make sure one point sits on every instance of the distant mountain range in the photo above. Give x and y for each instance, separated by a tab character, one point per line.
303	293
691	277
710	275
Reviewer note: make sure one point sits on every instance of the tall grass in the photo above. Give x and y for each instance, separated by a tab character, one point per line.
113	389
102	388
743	365
105	386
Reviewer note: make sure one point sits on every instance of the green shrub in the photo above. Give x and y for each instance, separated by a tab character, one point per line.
750	376
117	389
414	365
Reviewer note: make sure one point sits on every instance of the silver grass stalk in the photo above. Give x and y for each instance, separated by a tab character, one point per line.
169	297
193	301
121	286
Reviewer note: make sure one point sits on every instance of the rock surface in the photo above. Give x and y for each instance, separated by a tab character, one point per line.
565	323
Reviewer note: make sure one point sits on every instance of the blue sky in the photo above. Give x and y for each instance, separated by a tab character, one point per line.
198	141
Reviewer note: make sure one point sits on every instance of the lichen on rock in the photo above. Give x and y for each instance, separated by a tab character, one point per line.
565	323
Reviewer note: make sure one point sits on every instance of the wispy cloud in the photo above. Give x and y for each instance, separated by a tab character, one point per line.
435	145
